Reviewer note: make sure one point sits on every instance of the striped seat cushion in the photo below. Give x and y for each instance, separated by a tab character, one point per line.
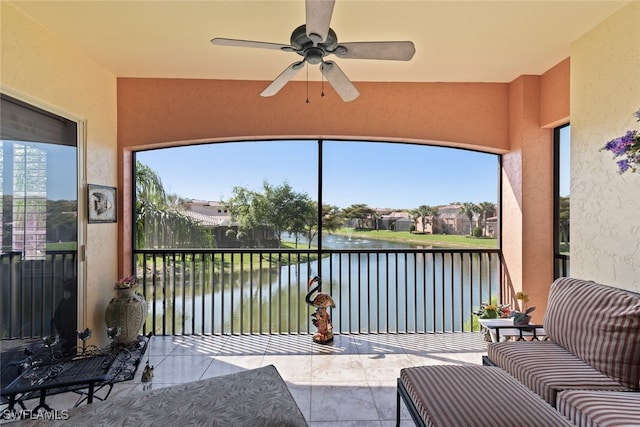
600	408
599	324
547	368
474	396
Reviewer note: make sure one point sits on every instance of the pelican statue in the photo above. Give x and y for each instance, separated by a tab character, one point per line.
321	318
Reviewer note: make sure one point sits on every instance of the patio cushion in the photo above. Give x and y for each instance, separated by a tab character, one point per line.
600	408
474	396
601	326
547	368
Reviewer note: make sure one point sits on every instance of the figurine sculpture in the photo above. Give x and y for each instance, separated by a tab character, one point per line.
321	317
147	376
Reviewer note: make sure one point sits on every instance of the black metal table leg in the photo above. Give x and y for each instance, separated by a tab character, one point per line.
90	394
42	404
12	402
397	407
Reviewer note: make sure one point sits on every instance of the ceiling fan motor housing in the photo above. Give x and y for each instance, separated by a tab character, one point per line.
312	52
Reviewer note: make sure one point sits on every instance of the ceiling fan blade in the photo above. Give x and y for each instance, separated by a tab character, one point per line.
395	51
248	43
339	81
282	79
318	19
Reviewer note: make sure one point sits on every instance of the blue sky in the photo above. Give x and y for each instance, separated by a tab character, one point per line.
381	175
565	160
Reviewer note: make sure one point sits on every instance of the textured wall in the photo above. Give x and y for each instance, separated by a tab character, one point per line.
605	92
527	188
38	68
554	95
153	111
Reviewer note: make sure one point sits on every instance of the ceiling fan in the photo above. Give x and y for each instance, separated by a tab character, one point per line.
315	40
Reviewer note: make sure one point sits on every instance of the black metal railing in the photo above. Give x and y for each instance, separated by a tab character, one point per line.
562	266
243	291
31	290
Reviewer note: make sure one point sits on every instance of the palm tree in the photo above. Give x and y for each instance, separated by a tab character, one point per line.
415	217
486	209
331	218
423	212
159	220
377	217
359	212
469	209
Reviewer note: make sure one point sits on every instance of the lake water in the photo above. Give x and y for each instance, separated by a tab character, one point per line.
419	291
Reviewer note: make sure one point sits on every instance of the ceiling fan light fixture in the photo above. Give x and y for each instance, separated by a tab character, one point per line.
314	55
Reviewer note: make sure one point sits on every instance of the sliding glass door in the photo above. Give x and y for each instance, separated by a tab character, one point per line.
39	221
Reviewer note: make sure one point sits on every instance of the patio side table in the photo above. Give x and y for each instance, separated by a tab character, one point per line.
504	328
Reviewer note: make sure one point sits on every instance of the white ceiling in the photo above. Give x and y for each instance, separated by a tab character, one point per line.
482	41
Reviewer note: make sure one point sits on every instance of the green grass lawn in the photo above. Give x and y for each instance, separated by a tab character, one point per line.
62	246
435	240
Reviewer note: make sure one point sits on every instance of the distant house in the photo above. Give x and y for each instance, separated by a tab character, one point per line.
491	227
209	208
394	220
214	215
429	225
450	220
206	221
404	224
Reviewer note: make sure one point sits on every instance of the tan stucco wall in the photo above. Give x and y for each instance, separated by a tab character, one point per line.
38	68
153	111
555	95
527	193
605	92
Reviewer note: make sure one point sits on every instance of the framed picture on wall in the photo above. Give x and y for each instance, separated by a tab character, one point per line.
101	203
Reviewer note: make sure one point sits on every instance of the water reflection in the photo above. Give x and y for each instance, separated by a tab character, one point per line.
409	291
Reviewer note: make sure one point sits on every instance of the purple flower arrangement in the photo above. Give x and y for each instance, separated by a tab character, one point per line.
626	146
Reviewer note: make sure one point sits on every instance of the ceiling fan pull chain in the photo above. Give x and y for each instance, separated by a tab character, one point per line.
307	66
322	85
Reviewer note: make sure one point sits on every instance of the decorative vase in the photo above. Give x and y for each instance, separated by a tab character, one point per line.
126	311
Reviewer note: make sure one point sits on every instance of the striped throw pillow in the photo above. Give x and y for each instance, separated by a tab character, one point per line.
599	324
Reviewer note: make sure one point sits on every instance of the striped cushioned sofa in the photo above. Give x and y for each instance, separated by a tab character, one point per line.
587	374
594	346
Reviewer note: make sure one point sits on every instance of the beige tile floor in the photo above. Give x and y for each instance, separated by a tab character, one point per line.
351	382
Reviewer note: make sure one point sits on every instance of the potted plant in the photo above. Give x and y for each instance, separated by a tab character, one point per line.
522	317
491	315
493	310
